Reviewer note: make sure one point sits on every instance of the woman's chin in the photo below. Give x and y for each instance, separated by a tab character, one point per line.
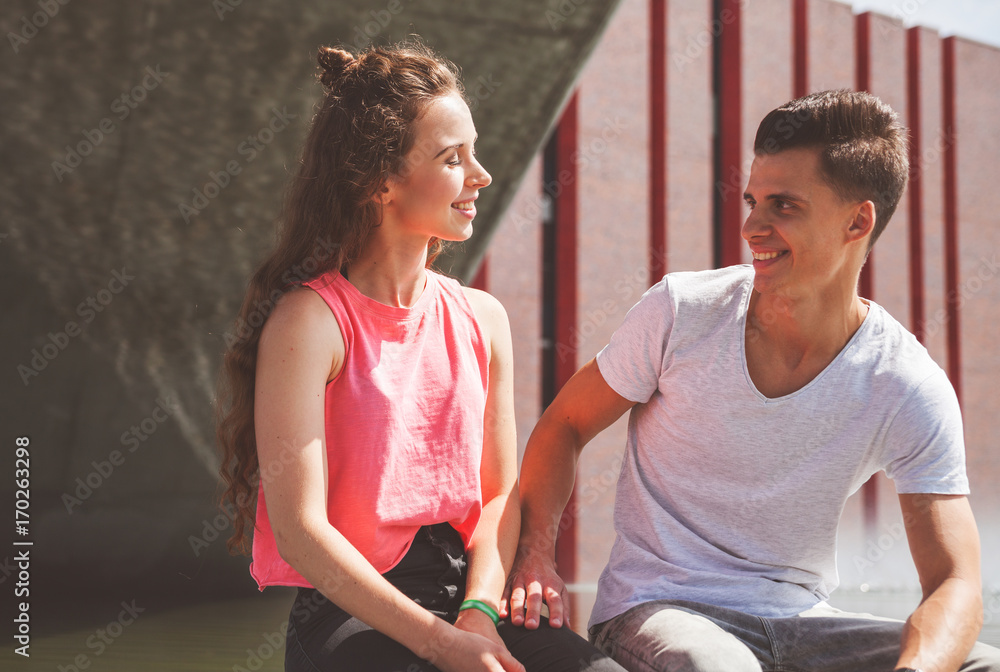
460	235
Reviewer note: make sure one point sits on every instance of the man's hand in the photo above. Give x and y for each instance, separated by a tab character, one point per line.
533	581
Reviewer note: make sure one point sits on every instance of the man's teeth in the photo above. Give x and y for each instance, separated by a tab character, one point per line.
468	205
764	256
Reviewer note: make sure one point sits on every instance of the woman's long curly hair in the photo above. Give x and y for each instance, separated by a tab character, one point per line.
360	135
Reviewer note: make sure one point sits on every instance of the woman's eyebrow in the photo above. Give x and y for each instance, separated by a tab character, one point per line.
459	145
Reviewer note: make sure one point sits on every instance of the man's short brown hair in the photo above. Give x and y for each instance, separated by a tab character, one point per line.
863	147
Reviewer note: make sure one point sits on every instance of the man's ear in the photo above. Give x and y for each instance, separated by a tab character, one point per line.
863	223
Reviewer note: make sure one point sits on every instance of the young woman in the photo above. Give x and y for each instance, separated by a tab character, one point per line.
374	404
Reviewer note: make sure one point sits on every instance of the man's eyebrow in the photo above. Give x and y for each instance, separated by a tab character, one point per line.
781	196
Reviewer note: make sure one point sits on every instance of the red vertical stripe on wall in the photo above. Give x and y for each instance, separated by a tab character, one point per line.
800	37
565	303
730	104
950	133
657	140
862	49
862	82
479	281
566	221
915	188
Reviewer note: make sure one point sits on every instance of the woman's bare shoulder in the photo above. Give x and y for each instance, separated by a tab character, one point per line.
301	318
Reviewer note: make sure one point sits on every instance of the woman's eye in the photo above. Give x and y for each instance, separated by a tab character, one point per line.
454	161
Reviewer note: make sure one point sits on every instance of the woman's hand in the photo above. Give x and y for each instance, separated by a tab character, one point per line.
455	649
475	621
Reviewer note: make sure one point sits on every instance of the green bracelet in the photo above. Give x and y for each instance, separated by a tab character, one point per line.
483	607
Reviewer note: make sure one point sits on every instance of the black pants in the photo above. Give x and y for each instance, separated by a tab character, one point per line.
322	637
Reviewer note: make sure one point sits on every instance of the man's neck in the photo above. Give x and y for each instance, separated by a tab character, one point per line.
790	340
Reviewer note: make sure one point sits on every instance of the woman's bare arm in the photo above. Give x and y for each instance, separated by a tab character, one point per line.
300	346
492	547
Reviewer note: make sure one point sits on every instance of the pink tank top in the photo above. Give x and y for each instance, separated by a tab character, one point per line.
404	424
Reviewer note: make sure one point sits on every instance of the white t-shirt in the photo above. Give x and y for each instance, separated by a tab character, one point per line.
729	498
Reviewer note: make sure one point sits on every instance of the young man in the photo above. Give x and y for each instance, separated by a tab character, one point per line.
760	399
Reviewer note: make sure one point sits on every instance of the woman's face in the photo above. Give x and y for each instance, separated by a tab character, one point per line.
434	192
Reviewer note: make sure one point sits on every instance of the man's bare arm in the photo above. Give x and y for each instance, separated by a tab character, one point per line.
944	543
585	406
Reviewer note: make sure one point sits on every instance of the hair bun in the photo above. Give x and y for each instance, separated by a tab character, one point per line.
334	62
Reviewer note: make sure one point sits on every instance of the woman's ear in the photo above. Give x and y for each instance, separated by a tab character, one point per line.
863	223
385	193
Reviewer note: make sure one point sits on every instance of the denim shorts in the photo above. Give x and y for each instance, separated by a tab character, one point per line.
678	635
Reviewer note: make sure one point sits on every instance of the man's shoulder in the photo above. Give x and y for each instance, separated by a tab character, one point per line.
719	279
686	306
893	352
707	288
698	296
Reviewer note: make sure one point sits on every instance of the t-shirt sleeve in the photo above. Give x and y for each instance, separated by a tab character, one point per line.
926	442
631	363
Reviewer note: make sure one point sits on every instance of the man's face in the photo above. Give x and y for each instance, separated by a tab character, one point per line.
798	228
